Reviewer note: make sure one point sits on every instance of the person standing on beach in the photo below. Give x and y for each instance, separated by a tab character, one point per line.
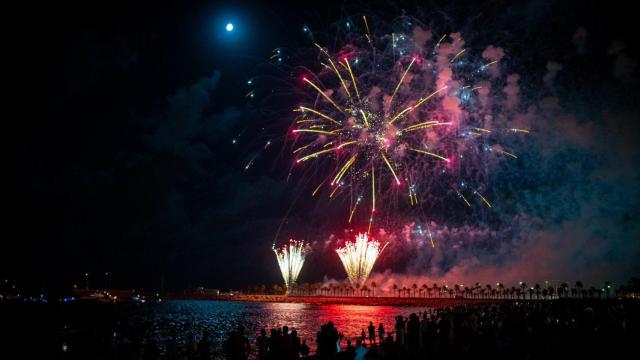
361	350
204	346
327	341
381	333
400	329
304	349
262	343
237	345
372	333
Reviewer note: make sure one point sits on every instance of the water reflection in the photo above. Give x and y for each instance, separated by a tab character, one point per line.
191	318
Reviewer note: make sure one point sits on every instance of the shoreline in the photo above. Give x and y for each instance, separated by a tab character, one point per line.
336	300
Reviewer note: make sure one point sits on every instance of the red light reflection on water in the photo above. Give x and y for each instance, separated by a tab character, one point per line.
350	320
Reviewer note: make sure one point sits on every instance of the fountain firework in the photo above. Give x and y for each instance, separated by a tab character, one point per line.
290	259
358	258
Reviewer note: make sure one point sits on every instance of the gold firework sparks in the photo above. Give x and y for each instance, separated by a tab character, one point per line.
359	257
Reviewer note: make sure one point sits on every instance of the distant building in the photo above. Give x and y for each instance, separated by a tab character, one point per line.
230	293
207	292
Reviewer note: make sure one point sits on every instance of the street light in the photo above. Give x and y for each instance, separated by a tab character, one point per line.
86	278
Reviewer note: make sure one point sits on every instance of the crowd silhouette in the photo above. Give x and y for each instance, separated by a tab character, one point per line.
525	330
567	329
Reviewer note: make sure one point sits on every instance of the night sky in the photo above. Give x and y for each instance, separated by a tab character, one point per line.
119	153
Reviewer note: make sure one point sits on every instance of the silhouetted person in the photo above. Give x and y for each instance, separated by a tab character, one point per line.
349	352
388	347
327	341
373	354
413	332
444	333
295	340
172	347
204	346
262	344
361	350
400	330
304	349
372	333
192	347
237	345
286	344
274	345
380	333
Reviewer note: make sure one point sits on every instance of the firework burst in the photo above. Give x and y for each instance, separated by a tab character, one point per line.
290	259
391	115
359	257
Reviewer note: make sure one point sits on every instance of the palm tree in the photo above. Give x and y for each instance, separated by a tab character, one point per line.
607	287
523	288
414	287
395	288
277	289
551	291
579	286
373	287
536	287
565	290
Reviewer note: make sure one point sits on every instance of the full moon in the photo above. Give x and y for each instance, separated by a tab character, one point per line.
229	27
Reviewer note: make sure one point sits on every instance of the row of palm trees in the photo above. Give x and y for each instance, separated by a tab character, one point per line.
476	291
333	290
500	291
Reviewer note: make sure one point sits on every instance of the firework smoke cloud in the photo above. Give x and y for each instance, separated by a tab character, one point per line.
469	170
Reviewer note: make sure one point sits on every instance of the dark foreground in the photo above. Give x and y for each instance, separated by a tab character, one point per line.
567	328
